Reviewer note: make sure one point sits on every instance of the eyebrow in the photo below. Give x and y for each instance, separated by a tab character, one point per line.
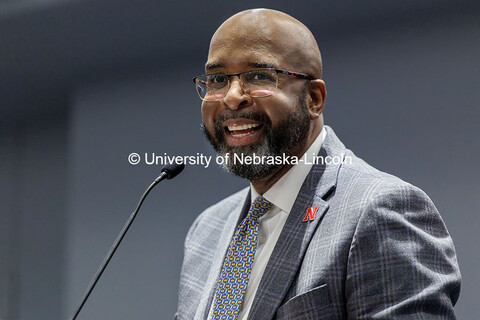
214	65
261	65
217	65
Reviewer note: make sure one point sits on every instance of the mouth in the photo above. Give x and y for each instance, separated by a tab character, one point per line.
239	132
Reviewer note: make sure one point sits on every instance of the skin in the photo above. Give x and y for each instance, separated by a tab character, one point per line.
266	38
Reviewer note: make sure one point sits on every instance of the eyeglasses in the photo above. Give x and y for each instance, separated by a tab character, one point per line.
256	83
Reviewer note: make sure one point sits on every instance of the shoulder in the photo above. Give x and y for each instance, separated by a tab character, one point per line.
379	187
229	202
214	217
364	194
222	209
391	215
353	175
399	245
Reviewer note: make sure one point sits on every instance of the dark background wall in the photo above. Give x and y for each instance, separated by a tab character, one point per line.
85	83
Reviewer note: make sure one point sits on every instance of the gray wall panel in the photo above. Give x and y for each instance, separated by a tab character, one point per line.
402	82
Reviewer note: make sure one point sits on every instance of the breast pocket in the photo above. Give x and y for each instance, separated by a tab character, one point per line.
314	305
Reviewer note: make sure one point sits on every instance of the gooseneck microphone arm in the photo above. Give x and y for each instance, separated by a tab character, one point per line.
169	171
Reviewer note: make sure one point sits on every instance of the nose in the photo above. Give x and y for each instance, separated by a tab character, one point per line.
236	97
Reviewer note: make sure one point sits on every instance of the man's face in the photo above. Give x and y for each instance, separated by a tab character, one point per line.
265	126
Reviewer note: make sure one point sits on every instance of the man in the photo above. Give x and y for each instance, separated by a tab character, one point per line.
331	239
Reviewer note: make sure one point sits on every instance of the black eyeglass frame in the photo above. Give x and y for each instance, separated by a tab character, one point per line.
278	71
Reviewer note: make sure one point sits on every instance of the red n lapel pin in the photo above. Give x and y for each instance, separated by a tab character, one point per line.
311	212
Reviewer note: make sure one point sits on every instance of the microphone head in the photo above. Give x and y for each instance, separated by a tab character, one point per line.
173	169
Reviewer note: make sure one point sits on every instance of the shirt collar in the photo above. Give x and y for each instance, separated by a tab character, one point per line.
284	192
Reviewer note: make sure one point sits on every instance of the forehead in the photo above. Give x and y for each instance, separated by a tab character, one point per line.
238	61
236	47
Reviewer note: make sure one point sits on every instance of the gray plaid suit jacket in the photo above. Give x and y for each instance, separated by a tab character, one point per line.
377	249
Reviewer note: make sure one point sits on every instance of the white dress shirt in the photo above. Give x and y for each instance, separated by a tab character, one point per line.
282	195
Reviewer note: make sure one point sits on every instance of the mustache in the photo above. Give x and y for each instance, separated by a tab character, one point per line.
251	115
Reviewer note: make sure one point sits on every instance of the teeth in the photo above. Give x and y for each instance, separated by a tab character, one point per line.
239	135
243	127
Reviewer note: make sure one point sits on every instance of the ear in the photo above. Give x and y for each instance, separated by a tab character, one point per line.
316	95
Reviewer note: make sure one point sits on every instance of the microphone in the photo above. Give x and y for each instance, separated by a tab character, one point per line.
169	171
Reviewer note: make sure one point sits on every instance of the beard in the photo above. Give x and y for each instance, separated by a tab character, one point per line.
276	141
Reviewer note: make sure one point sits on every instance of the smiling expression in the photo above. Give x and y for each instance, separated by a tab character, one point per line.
273	125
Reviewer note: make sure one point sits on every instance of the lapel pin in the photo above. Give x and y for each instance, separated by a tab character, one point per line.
311	212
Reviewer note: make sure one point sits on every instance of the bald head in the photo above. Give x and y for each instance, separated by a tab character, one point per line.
279	39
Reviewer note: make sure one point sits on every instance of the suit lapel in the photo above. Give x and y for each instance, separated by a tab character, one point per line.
224	242
296	234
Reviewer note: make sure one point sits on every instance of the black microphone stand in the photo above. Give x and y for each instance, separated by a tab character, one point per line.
168	172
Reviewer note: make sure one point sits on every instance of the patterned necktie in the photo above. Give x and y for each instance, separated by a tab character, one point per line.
238	263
